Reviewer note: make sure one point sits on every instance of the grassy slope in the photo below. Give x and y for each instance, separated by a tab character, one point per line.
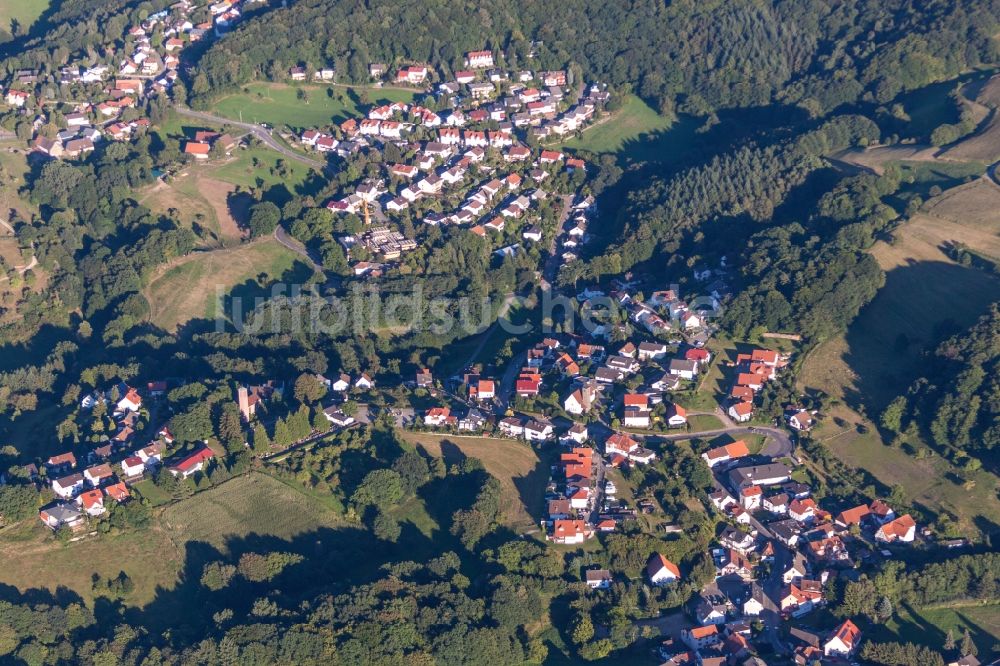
924	291
25	12
631	129
278	104
516	465
187	290
254	504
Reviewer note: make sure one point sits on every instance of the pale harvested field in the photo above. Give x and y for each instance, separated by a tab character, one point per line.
876	158
984	145
193	195
515	464
923	288
216	193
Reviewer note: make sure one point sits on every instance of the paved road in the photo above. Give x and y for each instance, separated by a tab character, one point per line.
265	136
292	244
779	443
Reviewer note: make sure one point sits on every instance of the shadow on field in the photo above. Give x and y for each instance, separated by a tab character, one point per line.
922	304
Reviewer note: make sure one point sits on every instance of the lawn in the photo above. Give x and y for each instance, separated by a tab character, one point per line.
249	165
279	104
25	12
522	475
188	289
703	422
13	168
634	128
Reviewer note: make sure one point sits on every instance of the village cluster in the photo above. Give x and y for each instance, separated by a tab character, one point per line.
779	548
104	100
472	154
82	482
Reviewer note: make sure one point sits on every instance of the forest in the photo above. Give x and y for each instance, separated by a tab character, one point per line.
819	55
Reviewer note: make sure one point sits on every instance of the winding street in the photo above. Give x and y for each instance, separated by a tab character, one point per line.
265	135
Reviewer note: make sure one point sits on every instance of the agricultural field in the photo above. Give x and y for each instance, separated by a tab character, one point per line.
23	12
187	289
633	129
279	104
153	558
881	352
516	465
984	144
252	504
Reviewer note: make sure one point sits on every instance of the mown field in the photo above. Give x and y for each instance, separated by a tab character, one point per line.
24	12
252	504
633	128
202	202
255	504
279	104
187	289
516	465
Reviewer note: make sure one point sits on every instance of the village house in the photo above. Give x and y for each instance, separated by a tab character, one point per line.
581	400
570	532
722	454
843	641
511	427
683	368
676	416
699	638
741	412
661	571
902	529
61	515
69	486
598	579
191	463
92	502
801	421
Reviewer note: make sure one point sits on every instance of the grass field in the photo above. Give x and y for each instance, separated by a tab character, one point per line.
634	127
201	202
929	626
187	290
24	12
925	294
250	164
521	473
253	504
984	144
928	481
278	104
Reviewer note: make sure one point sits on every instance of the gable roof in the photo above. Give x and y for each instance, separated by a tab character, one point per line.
658	562
848	633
